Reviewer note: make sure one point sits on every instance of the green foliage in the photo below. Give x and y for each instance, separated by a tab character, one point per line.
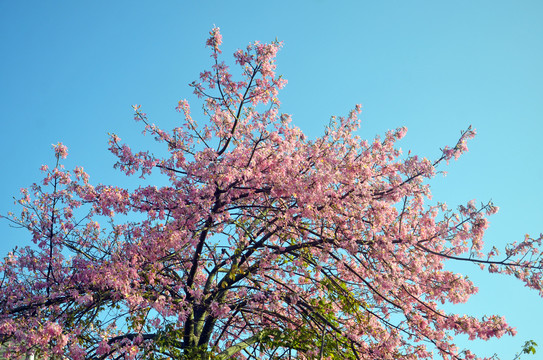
168	345
528	348
303	340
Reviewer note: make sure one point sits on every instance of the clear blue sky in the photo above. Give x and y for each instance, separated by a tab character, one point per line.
69	71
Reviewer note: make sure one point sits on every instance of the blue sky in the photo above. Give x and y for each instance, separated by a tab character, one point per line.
70	71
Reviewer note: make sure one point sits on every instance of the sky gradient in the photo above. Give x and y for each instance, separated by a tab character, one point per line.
71	70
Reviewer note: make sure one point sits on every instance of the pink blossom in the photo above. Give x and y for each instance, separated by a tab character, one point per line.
215	40
61	151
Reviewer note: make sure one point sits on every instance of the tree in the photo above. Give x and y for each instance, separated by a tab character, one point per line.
263	243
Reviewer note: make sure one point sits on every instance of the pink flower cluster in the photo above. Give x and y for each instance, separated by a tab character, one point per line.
215	40
61	151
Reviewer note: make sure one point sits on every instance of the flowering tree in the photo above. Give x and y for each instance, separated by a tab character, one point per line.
263	244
